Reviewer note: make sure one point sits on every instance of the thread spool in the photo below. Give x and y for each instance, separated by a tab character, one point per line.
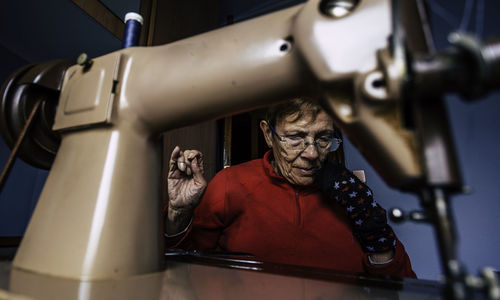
133	25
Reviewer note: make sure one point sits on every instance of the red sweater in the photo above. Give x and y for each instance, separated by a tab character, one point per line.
249	208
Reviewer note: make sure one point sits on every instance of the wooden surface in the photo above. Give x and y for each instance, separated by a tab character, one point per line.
103	15
200	137
175	20
10	241
148	13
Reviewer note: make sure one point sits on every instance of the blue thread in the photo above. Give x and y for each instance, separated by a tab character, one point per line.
132	33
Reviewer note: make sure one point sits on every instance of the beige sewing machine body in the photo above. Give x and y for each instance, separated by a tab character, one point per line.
98	217
106	173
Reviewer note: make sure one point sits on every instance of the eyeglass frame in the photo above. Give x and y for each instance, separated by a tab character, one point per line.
306	143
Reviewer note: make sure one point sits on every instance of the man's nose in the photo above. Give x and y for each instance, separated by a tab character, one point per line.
310	152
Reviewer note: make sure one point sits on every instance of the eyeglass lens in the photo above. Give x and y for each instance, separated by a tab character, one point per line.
320	146
302	145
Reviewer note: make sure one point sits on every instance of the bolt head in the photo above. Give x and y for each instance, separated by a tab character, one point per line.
337	8
82	59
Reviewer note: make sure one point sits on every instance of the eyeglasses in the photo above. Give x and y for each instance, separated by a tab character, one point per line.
298	143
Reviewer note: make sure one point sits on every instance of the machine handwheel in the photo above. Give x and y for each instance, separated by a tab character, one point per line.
18	96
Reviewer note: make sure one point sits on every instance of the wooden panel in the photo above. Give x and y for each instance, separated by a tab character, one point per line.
200	137
103	16
148	12
174	20
10	241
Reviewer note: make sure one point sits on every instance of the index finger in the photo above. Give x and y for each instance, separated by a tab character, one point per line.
173	158
175	153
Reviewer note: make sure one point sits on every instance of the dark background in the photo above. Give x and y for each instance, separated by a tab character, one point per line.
37	31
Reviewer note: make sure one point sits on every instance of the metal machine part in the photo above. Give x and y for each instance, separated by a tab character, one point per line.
471	69
19	94
15	149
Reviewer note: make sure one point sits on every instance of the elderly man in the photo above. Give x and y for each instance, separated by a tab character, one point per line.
289	207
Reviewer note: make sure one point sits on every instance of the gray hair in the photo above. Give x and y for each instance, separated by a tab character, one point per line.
297	106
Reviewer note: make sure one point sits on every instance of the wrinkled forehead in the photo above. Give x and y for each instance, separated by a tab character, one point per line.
306	119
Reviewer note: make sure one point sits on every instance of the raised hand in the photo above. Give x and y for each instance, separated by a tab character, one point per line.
186	185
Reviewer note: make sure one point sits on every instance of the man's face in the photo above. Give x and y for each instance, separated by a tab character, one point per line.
300	167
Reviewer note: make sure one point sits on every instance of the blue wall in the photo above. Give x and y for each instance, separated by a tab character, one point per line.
39	31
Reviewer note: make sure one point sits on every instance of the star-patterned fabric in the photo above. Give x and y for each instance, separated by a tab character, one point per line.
368	218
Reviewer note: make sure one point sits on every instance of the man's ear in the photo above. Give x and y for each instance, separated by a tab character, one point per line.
268	134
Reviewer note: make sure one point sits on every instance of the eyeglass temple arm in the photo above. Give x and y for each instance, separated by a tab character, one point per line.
274	131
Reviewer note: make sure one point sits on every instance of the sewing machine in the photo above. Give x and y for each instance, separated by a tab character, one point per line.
98	215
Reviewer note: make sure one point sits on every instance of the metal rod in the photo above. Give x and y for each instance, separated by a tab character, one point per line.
13	154
436	201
